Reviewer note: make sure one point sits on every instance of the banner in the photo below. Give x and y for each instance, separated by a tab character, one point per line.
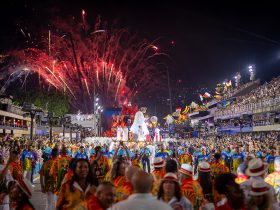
206	95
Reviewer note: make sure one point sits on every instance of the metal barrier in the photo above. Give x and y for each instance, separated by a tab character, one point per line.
264	103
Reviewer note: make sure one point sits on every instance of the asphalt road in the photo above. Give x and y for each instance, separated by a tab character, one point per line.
38	198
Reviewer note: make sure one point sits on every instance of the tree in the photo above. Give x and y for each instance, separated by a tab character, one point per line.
49	101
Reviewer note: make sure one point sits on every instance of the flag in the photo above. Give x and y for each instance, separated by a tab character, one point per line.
200	96
178	109
202	108
194	105
225	88
228	84
207	95
186	110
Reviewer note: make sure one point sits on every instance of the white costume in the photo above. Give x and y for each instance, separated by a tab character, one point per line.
139	120
119	134
157	135
125	134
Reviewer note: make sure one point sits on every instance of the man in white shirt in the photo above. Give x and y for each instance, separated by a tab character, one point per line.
141	199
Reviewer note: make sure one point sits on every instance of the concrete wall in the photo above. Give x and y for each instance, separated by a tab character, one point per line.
275	127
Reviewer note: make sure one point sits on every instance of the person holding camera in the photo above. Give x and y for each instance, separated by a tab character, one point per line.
122	151
146	152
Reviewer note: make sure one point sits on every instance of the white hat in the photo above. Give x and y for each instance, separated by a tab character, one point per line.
259	187
186	169
256	167
204	166
159	162
170	177
250	156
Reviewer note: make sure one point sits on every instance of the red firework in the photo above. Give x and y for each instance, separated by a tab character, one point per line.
109	62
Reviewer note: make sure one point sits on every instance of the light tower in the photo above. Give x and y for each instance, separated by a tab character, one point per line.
252	71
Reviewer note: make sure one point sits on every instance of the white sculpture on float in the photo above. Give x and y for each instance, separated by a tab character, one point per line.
139	127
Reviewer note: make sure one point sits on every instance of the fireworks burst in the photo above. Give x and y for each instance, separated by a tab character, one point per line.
110	62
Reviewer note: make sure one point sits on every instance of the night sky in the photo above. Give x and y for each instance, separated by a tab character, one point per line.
212	41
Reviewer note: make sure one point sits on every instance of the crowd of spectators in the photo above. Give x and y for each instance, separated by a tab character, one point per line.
191	173
265	95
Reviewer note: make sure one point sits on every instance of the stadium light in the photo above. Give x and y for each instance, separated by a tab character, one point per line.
252	72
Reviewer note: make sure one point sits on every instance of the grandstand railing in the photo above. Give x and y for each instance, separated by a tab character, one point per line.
264	103
240	88
12	126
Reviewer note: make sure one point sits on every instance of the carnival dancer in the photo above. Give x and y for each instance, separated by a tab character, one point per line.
118	177
226	157
136	159
274	178
184	156
158	174
190	187
199	157
59	168
241	177
119	133
15	167
47	181
34	162
217	167
157	137
27	158
162	153
5	180
99	164
243	166
237	158
139	124
270	160
20	193
205	180
75	193
127	186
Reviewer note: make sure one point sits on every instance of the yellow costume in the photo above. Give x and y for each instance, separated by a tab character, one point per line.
119	184
274	180
73	197
192	190
59	169
218	168
158	175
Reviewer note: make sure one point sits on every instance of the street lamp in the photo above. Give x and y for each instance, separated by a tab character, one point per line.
50	118
27	107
